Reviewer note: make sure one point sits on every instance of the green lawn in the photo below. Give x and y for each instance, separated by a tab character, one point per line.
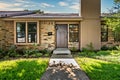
103	65
23	69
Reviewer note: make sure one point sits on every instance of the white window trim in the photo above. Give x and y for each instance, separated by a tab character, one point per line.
26	43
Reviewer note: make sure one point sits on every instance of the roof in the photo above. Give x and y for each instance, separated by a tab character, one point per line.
33	15
14	13
49	15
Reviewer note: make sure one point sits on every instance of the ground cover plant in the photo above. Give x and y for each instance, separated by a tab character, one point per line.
23	69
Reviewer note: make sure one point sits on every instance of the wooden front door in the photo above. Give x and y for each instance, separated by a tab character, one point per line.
62	35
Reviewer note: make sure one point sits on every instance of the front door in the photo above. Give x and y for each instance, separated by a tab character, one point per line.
62	37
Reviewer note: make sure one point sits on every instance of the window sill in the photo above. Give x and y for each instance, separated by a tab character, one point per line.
25	43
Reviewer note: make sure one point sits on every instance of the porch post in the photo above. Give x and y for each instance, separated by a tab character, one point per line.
90	26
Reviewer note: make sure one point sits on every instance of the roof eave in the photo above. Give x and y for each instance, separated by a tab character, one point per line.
45	18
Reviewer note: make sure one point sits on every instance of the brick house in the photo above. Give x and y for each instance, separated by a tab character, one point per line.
52	30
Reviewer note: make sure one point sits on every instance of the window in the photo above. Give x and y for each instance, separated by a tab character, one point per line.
26	32
32	32
104	33
21	32
73	33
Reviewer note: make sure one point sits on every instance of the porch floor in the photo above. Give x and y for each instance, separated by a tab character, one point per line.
61	51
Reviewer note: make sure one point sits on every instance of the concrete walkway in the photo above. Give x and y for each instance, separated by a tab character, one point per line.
63	67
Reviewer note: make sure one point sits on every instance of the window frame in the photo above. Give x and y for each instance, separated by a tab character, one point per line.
26	33
74	32
17	33
31	32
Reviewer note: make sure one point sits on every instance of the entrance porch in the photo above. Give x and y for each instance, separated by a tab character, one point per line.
61	51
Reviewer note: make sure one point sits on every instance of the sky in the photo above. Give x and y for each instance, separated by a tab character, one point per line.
49	6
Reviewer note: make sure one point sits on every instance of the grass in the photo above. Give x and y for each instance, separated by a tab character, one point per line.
103	65
111	56
23	69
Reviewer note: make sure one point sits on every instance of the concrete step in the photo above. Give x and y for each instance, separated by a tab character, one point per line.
61	51
61	56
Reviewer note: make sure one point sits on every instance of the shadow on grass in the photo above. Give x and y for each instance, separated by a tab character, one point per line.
102	70
24	70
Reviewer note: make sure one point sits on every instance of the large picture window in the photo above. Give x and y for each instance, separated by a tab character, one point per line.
26	32
73	33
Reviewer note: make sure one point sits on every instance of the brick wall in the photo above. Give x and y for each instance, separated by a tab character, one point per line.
47	41
6	34
2	34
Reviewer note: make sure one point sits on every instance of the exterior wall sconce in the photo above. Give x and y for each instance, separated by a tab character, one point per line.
56	27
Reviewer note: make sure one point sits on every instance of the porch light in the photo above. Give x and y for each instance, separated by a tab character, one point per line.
56	27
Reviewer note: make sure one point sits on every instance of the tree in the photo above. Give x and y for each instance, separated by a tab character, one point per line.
113	19
117	5
36	11
117	1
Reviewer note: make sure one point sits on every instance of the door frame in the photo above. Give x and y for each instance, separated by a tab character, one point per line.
56	34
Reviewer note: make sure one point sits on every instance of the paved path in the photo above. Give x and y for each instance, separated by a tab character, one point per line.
63	67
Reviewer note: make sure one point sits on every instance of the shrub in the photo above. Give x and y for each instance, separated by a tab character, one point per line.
118	48
87	54
12	51
36	55
104	47
20	51
1	53
73	49
103	53
90	47
45	52
28	52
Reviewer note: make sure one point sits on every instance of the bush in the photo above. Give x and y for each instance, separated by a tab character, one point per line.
87	54
29	52
1	53
118	48
12	51
90	47
73	49
36	55
45	52
104	47
103	53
